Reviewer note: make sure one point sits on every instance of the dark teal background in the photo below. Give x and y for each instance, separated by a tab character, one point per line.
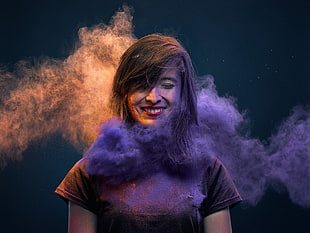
258	52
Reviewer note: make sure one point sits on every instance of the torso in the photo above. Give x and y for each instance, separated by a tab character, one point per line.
148	203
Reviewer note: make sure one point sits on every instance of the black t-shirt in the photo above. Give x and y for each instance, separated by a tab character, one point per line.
161	203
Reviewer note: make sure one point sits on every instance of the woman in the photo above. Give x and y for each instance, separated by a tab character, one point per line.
143	173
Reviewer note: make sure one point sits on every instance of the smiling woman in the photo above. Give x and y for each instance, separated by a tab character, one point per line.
147	64
141	174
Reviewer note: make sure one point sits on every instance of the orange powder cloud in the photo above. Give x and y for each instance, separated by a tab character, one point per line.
68	96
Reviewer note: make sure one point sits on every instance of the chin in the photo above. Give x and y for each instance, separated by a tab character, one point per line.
150	122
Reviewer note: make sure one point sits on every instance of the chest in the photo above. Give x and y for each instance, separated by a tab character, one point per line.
159	194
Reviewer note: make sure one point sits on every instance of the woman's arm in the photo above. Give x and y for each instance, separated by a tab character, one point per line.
81	220
218	222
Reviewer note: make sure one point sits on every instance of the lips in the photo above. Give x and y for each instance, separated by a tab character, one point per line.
153	111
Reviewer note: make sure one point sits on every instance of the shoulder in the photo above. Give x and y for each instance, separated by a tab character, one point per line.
79	167
219	189
214	165
78	186
217	178
77	175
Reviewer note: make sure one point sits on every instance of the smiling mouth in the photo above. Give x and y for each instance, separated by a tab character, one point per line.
152	111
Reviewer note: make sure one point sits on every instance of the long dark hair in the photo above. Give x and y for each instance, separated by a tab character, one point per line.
140	67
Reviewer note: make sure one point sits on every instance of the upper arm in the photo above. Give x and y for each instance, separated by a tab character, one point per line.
81	220
218	222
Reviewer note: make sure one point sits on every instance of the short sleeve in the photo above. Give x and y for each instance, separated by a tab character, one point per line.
77	187
219	189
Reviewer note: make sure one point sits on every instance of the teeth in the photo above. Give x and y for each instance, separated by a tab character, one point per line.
153	111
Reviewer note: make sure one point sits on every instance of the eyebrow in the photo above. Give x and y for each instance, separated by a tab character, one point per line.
169	79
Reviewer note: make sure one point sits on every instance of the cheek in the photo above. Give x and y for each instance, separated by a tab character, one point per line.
174	97
131	104
133	101
130	101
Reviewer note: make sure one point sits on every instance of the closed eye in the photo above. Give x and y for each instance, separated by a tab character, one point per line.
167	85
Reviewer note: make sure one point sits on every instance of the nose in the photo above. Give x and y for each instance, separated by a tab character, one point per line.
153	96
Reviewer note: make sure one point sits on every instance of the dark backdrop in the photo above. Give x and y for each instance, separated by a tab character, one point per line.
258	52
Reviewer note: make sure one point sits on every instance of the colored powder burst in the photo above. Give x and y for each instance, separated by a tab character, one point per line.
62	96
70	97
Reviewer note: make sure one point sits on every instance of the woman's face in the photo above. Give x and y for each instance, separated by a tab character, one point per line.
150	107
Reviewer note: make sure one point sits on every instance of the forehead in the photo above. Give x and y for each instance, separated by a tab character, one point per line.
170	73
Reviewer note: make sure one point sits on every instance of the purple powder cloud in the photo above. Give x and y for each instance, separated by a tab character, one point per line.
127	154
